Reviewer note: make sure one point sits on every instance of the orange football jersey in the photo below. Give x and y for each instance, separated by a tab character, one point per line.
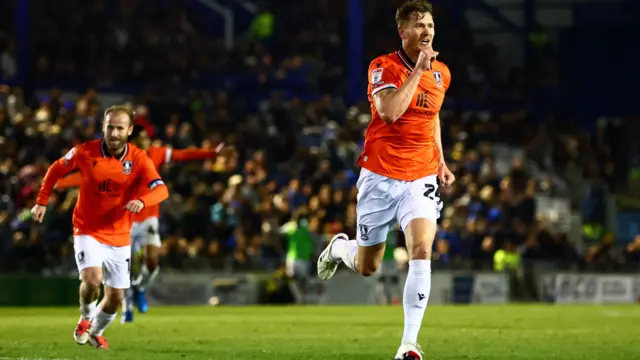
405	150
108	184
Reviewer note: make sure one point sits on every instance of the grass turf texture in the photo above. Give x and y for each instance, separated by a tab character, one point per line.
322	333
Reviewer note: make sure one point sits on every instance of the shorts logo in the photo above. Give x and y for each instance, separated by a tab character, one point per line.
364	232
437	75
151	230
376	75
126	167
80	257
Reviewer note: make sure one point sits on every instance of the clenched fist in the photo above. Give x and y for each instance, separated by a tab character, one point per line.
425	58
38	212
134	206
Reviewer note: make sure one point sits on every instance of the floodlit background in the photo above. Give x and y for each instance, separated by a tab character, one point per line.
540	126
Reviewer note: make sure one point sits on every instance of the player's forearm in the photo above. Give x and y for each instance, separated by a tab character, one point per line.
57	170
192	154
438	140
156	196
396	104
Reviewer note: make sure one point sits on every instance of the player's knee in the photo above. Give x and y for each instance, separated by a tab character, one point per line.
368	269
92	277
113	298
419	234
421	250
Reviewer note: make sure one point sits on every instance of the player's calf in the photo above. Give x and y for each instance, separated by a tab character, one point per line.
90	291
107	313
150	269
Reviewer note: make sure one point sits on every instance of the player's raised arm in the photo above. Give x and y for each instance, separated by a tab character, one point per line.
193	154
70	181
390	100
58	169
149	177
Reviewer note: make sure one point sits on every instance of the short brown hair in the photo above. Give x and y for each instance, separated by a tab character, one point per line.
411	7
120	109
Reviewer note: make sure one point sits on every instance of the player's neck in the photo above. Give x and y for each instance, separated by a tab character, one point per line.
411	55
115	151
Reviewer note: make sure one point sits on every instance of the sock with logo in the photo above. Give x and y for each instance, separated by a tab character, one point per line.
415	298
345	250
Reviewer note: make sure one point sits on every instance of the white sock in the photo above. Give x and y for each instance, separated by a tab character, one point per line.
345	250
415	298
145	278
88	311
127	301
101	322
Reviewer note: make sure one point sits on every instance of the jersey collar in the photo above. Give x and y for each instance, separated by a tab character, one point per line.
405	59
105	151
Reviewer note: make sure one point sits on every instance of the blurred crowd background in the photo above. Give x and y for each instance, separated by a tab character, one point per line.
538	127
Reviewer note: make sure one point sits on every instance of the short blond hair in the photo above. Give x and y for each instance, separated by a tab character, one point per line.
120	109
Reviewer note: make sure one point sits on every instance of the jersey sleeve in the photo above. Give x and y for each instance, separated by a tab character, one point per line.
150	178
58	169
446	77
189	154
382	75
70	181
159	155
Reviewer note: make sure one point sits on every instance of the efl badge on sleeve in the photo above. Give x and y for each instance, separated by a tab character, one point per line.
69	155
437	75
376	75
126	167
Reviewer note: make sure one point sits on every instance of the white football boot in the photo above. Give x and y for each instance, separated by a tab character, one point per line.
409	351
326	266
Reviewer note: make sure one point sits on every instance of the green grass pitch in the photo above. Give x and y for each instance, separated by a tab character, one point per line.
358	333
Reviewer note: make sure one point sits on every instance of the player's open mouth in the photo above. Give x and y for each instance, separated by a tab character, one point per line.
426	42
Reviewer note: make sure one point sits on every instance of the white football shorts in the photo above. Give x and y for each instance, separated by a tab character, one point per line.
384	202
114	261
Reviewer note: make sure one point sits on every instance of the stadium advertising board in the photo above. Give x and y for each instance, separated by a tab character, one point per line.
346	288
590	288
204	288
491	289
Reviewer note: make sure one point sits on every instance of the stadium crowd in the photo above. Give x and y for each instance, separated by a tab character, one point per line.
296	154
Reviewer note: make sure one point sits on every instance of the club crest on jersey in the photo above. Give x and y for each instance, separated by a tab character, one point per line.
376	75
437	75
126	167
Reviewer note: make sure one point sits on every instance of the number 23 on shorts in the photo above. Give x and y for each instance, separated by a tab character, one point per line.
432	192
